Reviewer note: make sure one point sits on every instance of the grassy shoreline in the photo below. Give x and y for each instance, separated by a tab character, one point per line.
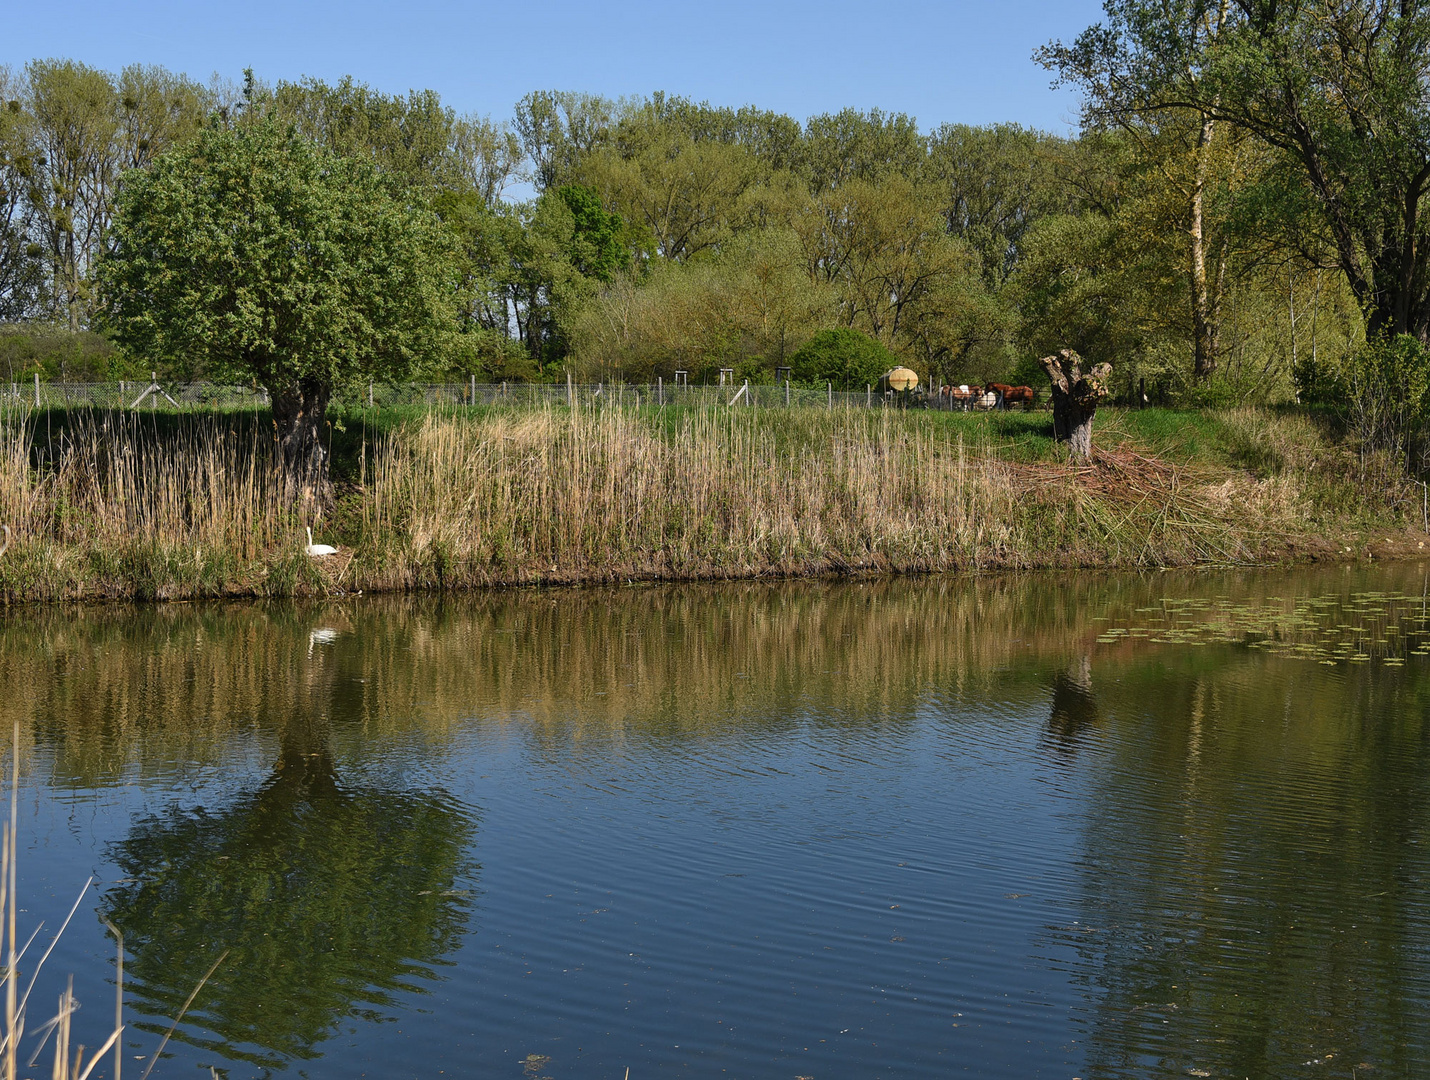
116	506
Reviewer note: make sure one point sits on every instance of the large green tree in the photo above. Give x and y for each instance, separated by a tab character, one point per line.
1335	87
253	254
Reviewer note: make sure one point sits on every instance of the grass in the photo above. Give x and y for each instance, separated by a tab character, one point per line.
163	506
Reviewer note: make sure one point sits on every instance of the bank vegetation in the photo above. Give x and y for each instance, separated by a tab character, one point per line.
111	505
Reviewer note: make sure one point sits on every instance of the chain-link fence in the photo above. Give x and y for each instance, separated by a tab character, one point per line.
133	395
204	395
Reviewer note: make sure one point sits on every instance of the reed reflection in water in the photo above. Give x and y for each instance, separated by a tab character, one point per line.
805	829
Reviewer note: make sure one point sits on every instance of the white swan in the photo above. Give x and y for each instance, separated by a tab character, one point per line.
318	550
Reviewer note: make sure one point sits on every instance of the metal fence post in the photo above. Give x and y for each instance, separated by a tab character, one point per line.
831	395
570	392
37	389
660	387
786	393
474	390
868	395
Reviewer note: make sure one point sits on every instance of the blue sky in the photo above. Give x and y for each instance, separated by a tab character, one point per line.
941	62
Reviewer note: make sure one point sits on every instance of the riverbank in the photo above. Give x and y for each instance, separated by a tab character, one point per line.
118	506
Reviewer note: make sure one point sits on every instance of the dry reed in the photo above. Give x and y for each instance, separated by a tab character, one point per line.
551	494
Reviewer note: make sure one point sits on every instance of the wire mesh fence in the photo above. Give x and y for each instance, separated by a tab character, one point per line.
196	396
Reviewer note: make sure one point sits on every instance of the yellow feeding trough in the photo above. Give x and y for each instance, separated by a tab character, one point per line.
900	378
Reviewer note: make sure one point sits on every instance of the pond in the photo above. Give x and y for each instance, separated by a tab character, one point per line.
1119	826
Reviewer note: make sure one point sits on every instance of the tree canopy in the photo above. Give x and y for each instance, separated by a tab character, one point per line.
1242	202
253	254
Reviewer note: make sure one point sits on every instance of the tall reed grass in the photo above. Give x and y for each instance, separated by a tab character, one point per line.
110	508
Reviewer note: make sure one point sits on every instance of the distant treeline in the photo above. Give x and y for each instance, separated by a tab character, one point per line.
630	239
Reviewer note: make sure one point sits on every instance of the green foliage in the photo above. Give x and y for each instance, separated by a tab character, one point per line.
597	248
666	233
1382	392
487	355
57	355
253	254
847	358
1354	155
748	309
850	145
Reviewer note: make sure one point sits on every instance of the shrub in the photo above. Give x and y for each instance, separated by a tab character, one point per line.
1382	391
847	358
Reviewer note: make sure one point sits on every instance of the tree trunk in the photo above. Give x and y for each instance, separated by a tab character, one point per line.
1204	316
299	410
1075	398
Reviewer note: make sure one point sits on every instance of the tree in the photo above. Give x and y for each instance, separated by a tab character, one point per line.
252	254
487	156
557	128
847	358
886	249
76	123
1337	89
1076	394
689	194
22	271
746	309
86	130
409	138
598	249
850	145
992	185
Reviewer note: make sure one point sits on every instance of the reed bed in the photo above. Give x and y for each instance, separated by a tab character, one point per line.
110	509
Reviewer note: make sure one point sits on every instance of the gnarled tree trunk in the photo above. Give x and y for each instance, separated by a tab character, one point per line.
1075	398
299	409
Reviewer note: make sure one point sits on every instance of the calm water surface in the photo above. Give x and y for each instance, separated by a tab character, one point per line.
1150	826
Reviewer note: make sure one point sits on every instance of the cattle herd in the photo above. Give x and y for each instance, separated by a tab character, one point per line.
992	396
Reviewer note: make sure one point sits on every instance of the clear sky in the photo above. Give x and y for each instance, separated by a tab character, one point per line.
956	61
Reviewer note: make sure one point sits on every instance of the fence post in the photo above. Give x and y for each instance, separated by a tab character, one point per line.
660	387
868	395
474	390
831	395
570	391
786	393
37	389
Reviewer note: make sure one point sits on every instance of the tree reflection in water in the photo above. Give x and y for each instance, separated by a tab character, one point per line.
329	898
1074	709
1244	872
1248	903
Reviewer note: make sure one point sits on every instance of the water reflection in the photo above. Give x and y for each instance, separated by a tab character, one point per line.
1074	707
325	900
1207	854
325	896
1253	872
